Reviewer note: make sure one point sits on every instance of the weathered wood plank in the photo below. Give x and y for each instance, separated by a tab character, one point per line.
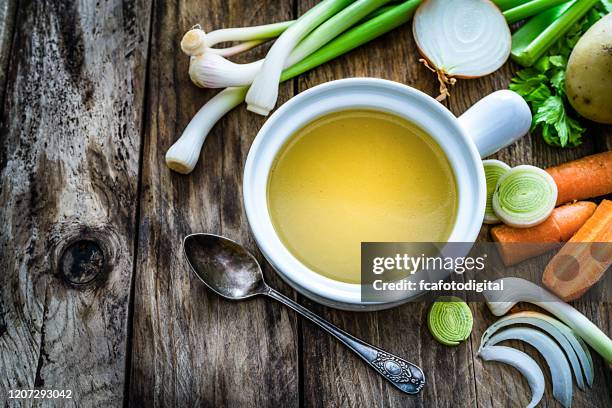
69	163
333	376
7	24
192	348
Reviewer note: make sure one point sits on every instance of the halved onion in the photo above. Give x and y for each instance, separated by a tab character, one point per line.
461	39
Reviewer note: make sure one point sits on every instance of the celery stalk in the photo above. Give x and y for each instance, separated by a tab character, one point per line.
532	8
532	40
508	4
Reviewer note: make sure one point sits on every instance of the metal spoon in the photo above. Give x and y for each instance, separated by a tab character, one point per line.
230	271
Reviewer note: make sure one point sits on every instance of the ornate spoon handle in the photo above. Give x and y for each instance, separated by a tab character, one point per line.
405	375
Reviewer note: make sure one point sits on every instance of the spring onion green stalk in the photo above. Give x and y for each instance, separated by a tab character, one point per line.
493	171
532	40
577	353
521	290
522	362
184	153
197	42
525	196
530	9
508	4
450	321
212	71
557	363
263	93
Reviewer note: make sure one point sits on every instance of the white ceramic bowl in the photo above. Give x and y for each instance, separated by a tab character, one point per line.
494	122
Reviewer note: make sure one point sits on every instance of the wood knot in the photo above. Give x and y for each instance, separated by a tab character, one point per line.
83	256
82	261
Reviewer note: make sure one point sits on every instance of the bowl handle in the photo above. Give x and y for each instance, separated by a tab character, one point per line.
497	121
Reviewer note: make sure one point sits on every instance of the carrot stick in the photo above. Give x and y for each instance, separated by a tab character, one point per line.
577	266
517	244
588	177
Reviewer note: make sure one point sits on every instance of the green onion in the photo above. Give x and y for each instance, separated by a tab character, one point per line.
197	42
529	9
184	153
450	321
532	40
355	37
263	93
209	70
494	169
524	197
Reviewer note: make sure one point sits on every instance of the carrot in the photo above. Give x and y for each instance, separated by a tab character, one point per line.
577	266
517	244
588	177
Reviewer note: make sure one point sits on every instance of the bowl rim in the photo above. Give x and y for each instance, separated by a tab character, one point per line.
306	281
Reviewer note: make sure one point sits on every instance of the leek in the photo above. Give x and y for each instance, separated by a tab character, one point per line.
183	154
494	169
525	196
450	321
521	290
532	40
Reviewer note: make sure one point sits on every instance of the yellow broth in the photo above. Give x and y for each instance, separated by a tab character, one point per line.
359	176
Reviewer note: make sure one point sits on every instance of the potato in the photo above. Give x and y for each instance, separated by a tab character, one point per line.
588	79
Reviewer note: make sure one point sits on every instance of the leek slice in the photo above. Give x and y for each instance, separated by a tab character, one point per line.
522	362
521	290
577	354
525	196
494	169
557	363
450	321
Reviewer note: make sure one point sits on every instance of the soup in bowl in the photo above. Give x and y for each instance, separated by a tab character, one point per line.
368	160
359	176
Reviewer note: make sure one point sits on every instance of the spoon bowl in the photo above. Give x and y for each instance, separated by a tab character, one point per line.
225	266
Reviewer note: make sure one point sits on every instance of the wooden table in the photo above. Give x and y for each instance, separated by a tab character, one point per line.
93	93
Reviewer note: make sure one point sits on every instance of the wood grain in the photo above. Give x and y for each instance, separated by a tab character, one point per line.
94	293
191	348
69	171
